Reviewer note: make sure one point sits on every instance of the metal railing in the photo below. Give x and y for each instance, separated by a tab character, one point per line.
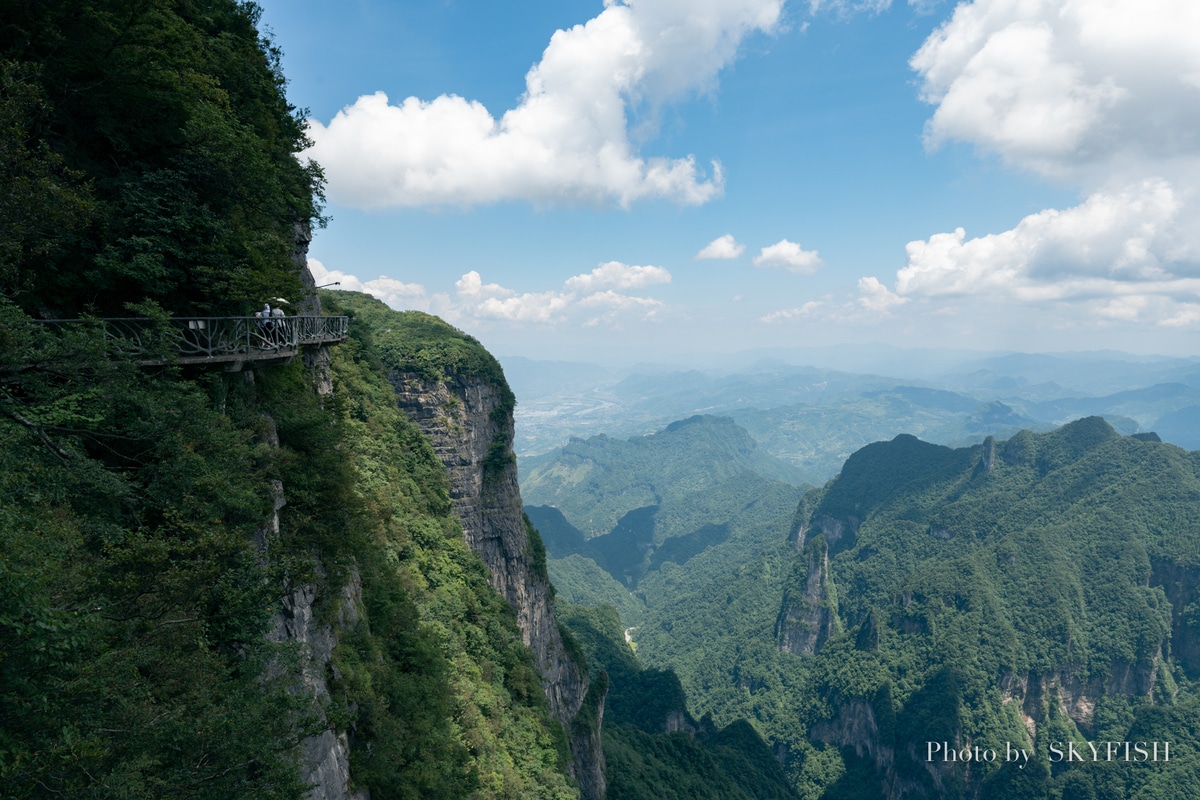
193	340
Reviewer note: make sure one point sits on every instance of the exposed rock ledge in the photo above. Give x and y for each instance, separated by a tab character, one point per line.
472	431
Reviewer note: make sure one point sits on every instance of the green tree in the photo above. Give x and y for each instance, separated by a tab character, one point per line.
152	156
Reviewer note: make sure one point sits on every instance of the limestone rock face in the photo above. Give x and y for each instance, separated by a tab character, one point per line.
324	757
808	616
471	430
310	303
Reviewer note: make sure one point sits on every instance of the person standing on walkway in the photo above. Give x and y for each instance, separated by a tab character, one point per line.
280	328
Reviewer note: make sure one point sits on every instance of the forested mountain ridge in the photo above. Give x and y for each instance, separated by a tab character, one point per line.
236	584
263	583
1036	592
597	481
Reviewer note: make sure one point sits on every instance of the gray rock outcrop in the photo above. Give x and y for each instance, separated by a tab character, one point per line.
808	615
471	430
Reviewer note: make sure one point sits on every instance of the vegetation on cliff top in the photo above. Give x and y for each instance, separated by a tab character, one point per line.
414	341
149	153
438	691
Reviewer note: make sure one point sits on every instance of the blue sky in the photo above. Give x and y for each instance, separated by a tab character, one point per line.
546	175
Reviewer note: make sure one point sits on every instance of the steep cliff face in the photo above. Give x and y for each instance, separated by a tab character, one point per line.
469	422
957	552
325	756
1182	587
808	616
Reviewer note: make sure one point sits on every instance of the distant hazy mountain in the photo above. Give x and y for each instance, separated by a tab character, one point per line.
815	415
597	482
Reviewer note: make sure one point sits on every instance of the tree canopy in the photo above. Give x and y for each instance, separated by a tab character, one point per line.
147	152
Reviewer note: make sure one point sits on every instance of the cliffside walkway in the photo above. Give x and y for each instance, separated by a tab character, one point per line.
229	341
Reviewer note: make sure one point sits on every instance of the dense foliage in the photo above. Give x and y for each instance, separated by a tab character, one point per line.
596	482
147	154
964	581
147	151
653	747
151	519
1046	584
133	603
424	344
439	691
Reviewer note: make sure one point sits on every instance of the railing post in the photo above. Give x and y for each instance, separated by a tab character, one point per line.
200	339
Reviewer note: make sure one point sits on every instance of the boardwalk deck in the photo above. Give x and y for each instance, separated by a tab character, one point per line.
229	341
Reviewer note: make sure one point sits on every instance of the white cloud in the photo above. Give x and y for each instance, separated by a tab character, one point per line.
396	294
1067	87
788	255
1112	243
1127	255
873	304
1187	315
615	275
876	297
614	305
600	291
847	7
1123	308
614	300
723	247
588	294
567	139
1104	94
529	307
808	309
471	285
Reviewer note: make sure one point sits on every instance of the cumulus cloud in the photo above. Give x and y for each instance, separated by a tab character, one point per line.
874	302
1107	244
529	307
397	294
567	139
615	275
874	296
847	7
493	301
1187	315
1103	94
1063	87
723	247
1122	254
599	297
593	298
790	256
